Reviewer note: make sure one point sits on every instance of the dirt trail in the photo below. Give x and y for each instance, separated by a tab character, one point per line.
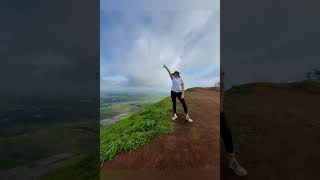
276	133
190	152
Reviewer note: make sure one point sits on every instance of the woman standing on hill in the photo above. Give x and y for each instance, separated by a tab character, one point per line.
177	90
226	136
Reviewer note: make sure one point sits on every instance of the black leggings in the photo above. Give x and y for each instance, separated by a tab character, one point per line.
225	133
182	101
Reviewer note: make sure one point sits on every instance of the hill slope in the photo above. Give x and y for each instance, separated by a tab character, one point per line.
276	130
190	150
136	130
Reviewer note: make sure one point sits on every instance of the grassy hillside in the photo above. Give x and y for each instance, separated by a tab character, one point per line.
82	167
136	130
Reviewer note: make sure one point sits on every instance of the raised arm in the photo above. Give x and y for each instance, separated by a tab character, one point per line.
168	70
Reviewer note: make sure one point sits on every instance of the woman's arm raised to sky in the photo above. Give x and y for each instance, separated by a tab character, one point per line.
168	70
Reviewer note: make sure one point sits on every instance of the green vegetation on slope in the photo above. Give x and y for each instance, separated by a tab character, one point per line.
82	168
136	130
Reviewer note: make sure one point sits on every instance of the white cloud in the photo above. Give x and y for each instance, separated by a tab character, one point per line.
187	41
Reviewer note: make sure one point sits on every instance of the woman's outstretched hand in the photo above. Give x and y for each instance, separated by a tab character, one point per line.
167	70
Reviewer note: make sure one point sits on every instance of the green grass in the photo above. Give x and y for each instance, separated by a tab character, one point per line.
134	131
81	168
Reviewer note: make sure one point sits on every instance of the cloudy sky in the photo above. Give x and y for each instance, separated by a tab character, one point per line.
135	43
269	41
49	48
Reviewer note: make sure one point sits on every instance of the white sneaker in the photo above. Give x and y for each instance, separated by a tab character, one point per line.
236	167
174	117
189	119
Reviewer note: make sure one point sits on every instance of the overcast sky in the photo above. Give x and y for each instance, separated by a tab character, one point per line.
135	43
52	47
269	41
49	48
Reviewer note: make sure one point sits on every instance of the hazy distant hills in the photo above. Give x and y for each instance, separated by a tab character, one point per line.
116	103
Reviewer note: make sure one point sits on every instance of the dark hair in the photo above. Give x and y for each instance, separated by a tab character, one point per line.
177	73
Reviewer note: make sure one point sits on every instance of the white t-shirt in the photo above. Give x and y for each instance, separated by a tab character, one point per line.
176	84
